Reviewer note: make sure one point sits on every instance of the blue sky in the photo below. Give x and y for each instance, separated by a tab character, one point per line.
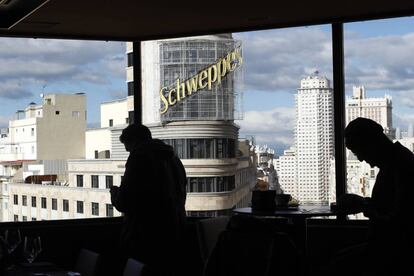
378	54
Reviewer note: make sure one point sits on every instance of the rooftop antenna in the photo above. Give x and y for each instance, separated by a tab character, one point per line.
43	90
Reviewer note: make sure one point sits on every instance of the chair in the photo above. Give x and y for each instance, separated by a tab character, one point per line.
133	268
208	231
87	263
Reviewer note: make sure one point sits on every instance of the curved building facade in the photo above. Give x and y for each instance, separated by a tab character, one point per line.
191	93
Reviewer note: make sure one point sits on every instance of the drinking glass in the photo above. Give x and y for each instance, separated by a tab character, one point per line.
31	248
12	239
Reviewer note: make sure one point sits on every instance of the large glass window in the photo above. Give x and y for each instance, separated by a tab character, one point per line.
378	74
54	118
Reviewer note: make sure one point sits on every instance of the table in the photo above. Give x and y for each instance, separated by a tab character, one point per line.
38	269
297	215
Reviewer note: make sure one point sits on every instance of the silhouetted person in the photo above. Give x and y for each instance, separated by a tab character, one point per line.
389	248
152	197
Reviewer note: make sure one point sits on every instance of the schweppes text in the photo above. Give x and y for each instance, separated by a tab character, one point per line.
205	78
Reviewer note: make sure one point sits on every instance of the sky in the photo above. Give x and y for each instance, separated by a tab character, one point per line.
378	54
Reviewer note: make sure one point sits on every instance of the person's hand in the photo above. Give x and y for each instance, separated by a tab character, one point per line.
350	204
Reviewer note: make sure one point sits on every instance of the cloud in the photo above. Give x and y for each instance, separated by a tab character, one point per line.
382	62
276	60
273	127
25	62
12	89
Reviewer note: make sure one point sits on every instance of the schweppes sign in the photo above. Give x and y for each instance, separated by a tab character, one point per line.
205	78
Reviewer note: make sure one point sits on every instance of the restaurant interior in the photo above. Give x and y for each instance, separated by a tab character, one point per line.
137	21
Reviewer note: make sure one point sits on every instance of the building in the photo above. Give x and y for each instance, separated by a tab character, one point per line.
38	143
53	130
377	109
286	167
314	139
191	99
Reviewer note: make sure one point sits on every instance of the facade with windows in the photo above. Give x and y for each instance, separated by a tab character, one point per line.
377	109
314	139
53	130
191	97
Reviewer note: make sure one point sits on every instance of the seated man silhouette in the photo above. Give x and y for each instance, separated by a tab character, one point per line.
389	249
152	197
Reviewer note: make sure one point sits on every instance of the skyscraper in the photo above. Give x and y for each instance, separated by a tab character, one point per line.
314	138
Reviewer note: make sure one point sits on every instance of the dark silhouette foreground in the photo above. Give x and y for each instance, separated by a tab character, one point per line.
152	197
389	248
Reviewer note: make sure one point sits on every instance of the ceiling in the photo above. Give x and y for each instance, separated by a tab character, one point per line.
129	20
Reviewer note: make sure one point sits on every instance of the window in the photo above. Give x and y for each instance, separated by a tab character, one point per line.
130	89
24	200
24	218
34	219
16	218
130	59
65	204
111	122
75	114
95	209
79	207
15	199
79	180
43	202
54	204
109	210
32	131
57	112
96	154
109	181
94	181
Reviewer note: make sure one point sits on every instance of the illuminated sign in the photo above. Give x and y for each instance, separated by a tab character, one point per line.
207	77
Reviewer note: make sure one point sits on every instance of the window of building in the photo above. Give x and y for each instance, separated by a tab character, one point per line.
95	208
43	202
24	200
130	89
109	181
15	199
79	207
65	206
32	131
96	154
57	112
111	122
54	204
34	219
33	201
109	210
24	218
94	181
79	180
15	217
75	114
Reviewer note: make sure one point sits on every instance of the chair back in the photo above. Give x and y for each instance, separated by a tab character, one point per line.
133	268
208	231
87	263
250	246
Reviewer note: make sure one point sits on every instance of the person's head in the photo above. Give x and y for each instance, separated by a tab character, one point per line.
133	135
366	139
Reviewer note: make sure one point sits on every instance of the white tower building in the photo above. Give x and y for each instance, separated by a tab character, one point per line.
314	138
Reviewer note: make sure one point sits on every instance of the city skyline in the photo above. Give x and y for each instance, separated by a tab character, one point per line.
377	55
